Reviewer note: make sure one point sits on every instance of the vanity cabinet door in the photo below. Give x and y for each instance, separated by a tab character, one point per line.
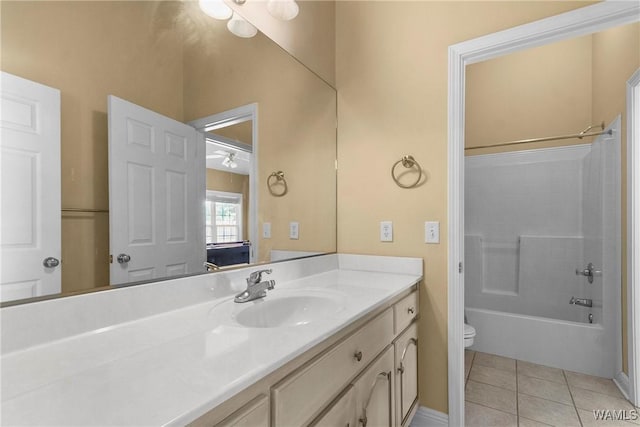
375	393
341	414
253	414
406	349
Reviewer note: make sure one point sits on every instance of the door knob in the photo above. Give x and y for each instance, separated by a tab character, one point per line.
123	258
51	262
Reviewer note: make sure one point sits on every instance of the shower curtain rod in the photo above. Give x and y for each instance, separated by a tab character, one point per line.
580	135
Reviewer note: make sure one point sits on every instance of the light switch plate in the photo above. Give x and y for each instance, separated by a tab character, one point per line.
386	231
266	230
432	232
294	230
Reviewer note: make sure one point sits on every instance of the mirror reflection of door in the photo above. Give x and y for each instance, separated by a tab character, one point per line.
30	187
156	186
229	219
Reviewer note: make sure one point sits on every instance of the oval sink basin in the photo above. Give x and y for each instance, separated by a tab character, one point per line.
286	311
281	308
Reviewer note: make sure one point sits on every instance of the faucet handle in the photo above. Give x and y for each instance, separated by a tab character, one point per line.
256	276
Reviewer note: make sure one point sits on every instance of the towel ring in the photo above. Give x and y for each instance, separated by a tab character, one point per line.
279	179
408	162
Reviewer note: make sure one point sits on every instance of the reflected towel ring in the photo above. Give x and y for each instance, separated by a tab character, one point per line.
408	162
279	179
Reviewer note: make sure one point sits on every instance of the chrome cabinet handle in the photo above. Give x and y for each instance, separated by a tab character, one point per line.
410	310
123	258
358	355
51	262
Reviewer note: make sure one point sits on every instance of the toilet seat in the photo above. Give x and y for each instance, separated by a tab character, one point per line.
469	335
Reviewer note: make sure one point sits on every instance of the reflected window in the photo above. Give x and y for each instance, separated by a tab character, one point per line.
223	217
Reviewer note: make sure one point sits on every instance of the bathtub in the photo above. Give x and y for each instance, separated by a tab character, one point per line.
574	346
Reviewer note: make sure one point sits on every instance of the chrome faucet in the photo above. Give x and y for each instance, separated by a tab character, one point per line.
256	288
585	302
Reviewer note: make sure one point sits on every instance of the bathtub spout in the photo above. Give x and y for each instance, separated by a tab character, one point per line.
585	302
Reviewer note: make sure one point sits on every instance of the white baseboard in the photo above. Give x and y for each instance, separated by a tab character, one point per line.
426	417
622	381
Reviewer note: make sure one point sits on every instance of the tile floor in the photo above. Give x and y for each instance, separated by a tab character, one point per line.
507	392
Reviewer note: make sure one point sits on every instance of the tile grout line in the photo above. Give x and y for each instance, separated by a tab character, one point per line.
466	380
493	409
575	408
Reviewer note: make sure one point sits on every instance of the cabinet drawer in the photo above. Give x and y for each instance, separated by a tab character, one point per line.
405	311
301	395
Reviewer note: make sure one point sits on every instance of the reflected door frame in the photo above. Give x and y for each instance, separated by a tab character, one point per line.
228	118
579	22
633	235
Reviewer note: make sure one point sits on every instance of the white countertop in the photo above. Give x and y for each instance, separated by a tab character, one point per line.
172	367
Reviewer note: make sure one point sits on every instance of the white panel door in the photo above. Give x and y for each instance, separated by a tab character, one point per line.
156	195
29	189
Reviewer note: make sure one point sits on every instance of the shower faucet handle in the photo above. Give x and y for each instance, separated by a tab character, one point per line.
590	272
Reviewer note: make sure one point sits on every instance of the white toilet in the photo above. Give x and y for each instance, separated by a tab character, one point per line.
469	335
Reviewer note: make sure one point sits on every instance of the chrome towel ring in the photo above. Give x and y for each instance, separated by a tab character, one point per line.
408	162
279	180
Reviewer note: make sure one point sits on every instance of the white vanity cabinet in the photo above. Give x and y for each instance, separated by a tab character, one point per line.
341	413
303	394
375	403
406	359
367	378
253	414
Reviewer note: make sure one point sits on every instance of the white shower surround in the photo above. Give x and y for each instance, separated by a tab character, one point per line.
514	319
524	231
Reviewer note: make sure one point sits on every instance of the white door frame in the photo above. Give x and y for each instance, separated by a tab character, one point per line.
633	235
227	118
576	23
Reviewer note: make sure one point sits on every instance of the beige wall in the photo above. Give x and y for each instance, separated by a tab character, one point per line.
233	183
63	45
296	127
391	75
539	92
616	56
310	37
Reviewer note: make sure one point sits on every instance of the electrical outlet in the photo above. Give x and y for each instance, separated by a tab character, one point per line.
432	232
386	231
294	230
266	230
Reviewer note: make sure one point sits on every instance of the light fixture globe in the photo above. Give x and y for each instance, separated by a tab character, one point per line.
229	162
285	10
241	28
215	9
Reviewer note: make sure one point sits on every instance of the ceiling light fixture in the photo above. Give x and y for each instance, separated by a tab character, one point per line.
240	27
229	162
285	10
215	9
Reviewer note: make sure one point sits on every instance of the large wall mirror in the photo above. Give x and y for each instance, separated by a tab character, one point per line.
174	135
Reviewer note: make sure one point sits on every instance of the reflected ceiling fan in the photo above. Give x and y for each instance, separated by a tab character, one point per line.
229	158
